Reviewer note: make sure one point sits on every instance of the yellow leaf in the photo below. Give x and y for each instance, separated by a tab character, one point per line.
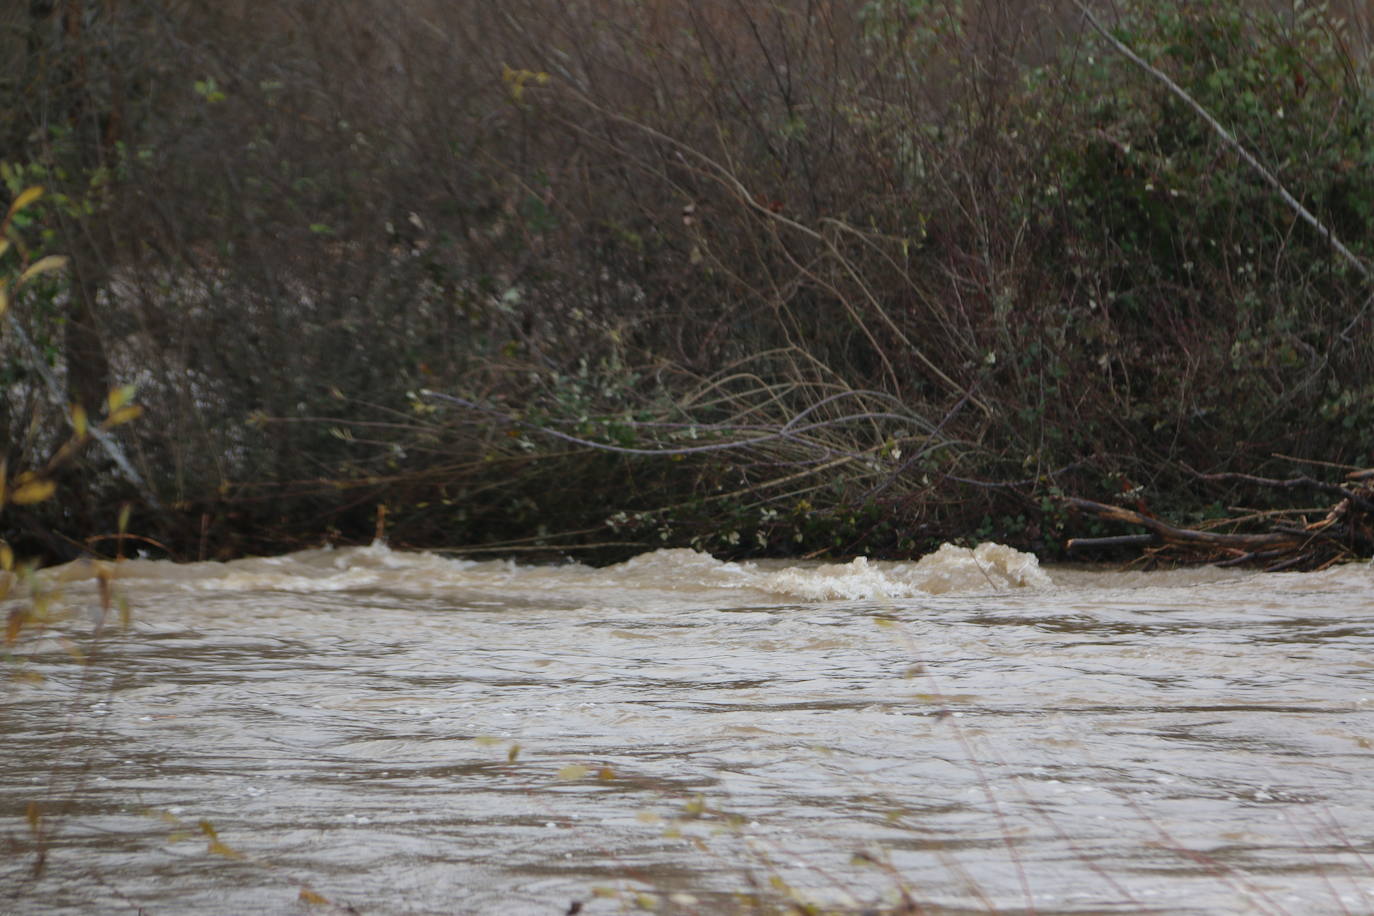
124	517
4	247
4	295
573	771
14	624
120	396
220	849
513	753
32	490
42	266
123	415
6	557
309	896
215	846
605	774
26	197
79	420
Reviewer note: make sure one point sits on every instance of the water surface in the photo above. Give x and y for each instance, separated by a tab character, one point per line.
406	733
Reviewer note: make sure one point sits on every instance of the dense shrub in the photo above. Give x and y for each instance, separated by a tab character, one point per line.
1223	326
874	273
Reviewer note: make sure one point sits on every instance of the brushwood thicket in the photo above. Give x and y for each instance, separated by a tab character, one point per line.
804	277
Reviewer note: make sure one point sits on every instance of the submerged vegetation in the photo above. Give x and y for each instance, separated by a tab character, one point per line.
793	278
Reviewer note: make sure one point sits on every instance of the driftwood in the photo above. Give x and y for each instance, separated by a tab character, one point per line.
1344	532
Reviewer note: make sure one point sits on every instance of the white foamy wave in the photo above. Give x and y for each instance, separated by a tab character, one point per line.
348	580
330	570
987	568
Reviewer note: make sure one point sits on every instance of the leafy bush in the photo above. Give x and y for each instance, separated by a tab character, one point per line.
1217	317
949	257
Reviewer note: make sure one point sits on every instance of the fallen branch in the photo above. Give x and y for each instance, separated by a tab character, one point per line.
1120	540
1344	533
1174	535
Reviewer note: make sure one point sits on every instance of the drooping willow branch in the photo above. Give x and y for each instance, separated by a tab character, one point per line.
792	430
726	177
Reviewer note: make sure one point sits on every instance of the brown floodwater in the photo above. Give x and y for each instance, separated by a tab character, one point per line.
406	733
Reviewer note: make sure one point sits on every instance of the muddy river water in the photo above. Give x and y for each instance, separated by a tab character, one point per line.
373	731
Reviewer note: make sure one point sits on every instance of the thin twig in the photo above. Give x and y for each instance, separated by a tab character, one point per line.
786	432
726	177
103	437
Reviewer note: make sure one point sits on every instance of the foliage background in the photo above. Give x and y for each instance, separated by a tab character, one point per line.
874	274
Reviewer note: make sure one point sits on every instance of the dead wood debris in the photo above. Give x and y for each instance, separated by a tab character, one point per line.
1303	539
